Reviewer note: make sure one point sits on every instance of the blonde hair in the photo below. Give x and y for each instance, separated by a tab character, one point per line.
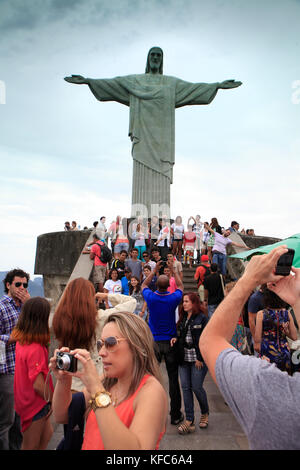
141	343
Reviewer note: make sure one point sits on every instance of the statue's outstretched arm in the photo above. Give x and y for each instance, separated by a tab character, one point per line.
229	84
78	79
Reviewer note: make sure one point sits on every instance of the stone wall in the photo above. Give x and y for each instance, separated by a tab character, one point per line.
56	256
236	266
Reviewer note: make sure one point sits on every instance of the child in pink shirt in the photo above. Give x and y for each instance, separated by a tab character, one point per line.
173	286
31	392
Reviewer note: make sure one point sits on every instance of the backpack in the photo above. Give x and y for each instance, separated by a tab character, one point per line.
105	253
206	274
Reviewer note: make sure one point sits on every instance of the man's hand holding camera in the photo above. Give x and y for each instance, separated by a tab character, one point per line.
261	268
288	288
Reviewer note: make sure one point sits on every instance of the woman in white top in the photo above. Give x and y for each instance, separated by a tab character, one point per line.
163	241
197	227
113	285
140	240
177	232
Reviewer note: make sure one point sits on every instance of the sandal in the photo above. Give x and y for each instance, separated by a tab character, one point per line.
203	421
186	428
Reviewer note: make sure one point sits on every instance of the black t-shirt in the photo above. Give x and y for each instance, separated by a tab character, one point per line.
213	284
119	266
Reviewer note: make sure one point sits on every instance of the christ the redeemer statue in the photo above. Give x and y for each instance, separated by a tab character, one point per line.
152	98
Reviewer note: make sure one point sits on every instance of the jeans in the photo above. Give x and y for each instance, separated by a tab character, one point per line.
210	309
141	250
10	432
220	260
163	349
192	380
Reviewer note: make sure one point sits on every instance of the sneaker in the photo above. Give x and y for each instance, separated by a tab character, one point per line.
178	420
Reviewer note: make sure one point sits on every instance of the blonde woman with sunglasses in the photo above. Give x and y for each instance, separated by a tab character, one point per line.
127	406
77	322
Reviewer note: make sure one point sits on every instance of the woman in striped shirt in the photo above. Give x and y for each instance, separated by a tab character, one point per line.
192	369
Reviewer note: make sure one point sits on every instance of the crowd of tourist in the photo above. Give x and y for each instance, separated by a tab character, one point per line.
116	328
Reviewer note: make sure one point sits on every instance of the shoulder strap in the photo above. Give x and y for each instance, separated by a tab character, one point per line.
222	282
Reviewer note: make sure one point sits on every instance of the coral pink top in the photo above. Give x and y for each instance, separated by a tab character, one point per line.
173	286
92	437
31	360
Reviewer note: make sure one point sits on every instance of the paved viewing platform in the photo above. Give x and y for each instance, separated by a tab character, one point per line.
223	432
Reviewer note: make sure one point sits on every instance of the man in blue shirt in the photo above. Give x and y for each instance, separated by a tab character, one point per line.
162	312
15	286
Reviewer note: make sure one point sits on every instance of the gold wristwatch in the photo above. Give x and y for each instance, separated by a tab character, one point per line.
100	399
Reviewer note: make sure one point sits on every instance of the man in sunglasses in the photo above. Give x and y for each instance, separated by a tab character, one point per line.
148	261
15	287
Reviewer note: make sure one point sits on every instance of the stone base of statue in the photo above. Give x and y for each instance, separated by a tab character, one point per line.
150	192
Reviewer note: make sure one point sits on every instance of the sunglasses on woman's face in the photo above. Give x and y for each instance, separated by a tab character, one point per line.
109	343
19	284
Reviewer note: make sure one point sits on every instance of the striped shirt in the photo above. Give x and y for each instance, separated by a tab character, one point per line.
189	352
9	314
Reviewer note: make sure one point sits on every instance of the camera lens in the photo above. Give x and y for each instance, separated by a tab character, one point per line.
63	363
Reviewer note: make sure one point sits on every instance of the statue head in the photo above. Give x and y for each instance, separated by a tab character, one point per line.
154	61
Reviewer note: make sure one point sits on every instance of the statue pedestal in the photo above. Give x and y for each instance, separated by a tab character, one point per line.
150	193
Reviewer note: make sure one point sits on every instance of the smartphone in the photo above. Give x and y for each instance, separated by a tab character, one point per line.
284	263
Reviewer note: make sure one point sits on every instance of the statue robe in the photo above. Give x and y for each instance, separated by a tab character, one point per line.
152	99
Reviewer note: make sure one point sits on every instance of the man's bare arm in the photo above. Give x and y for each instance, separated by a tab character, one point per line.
218	333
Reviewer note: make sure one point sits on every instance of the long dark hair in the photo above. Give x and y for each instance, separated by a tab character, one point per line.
197	306
271	300
32	325
111	271
138	286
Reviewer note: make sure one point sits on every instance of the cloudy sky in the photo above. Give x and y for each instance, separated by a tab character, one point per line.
66	156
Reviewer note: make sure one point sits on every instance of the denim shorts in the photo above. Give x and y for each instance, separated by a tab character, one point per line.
121	246
42	413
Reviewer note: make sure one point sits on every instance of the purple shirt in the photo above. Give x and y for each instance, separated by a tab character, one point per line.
9	314
221	243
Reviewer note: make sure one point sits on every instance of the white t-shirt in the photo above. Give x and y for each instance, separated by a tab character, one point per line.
113	287
178	231
164	234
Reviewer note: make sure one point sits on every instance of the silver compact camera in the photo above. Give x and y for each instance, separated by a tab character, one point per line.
66	362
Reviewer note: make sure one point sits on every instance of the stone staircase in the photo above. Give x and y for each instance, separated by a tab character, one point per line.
189	283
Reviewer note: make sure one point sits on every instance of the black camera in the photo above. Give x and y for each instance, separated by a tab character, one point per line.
285	262
66	362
